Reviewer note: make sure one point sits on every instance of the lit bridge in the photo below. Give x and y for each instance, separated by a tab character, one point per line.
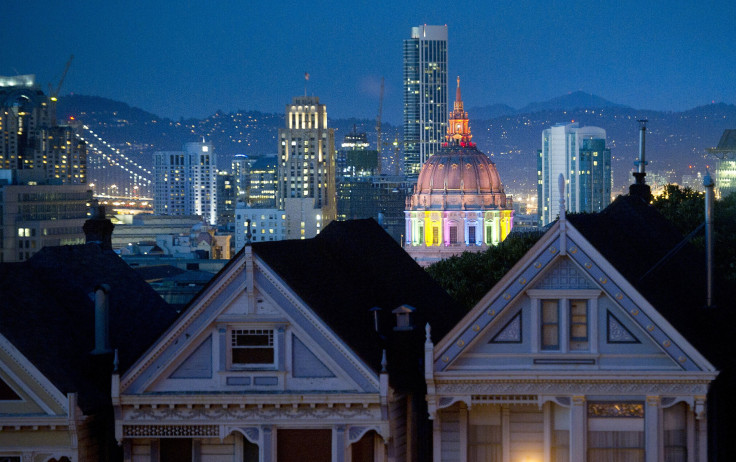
110	172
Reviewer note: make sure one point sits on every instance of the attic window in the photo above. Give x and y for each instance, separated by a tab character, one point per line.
252	346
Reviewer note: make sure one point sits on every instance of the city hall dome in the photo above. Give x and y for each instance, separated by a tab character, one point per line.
458	204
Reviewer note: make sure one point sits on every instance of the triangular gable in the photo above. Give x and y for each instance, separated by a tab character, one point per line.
533	271
244	287
24	390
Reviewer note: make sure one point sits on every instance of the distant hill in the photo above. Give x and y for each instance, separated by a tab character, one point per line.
675	141
570	102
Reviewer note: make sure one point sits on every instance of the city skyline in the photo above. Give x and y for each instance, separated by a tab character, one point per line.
182	60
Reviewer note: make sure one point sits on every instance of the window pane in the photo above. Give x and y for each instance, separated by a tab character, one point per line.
578	325
253	355
550	325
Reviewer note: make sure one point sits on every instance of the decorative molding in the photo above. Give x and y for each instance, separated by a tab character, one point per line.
170	431
250	413
616	409
550	387
617	332
252	434
511	332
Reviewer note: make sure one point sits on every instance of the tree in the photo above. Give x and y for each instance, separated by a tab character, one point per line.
685	208
469	276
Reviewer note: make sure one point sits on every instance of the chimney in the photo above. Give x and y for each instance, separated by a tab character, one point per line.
640	187
709	198
102	320
403	317
98	229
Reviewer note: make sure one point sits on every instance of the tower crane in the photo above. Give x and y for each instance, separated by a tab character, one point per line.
378	128
54	94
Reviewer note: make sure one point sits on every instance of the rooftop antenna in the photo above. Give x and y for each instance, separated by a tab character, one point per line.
641	163
248	233
306	79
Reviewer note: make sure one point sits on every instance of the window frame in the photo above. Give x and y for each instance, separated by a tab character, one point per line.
563	298
257	330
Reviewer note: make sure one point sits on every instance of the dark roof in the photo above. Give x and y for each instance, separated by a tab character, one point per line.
353	266
634	237
157	272
48	314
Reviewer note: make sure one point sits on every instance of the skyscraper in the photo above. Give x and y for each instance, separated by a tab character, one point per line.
30	138
306	167
425	95
580	154
186	182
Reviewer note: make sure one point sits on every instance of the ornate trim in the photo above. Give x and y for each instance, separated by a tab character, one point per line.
252	434
248	414
551	387
170	431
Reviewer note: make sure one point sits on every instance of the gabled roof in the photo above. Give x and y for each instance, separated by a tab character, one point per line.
48	315
353	266
637	240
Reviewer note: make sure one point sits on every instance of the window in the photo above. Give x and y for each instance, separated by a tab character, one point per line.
252	346
435	235
453	234
471	235
550	325
578	325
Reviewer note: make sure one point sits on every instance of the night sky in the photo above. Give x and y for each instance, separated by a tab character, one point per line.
180	58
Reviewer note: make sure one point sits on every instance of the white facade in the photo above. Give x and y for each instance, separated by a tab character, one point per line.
265	225
563	360
186	182
560	154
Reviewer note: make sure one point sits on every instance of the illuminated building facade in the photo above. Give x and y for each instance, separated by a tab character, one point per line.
580	154
186	182
30	138
459	202
240	168
35	214
307	165
262	182
265	225
725	174
425	95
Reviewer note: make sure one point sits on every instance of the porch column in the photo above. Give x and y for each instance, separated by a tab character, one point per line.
338	443
463	427
267	449
506	433
437	438
702	428
547	409
578	428
651	429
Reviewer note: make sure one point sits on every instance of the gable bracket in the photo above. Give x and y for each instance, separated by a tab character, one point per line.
512	289
632	309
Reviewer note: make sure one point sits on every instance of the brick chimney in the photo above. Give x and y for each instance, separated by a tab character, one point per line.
98	229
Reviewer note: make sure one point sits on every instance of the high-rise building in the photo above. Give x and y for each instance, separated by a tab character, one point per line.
425	95
30	138
35	213
186	182
240	166
262	182
581	155
725	174
307	164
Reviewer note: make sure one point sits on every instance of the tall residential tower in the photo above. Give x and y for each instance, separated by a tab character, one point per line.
425	95
580	154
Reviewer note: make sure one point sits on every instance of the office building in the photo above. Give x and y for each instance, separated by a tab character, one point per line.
240	169
30	138
35	213
580	154
725	174
265	225
262	182
425	95
307	166
186	182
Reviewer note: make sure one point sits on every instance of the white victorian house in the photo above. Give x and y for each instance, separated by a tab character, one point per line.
286	357
566	360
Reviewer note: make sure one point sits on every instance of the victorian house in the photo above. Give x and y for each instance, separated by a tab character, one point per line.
585	350
301	350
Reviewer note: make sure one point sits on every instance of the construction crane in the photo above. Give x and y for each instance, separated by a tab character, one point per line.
54	94
378	128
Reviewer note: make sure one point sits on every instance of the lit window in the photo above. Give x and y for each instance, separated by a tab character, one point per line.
252	346
550	325
578	325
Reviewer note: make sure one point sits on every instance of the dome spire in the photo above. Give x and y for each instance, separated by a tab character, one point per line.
458	129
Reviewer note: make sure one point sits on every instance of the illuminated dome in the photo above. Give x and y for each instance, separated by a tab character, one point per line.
458	170
458	204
